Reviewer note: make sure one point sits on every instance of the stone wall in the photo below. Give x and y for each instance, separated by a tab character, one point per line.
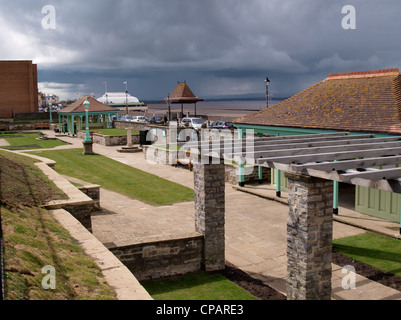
163	258
231	174
309	238
135	126
93	192
109	140
160	155
164	156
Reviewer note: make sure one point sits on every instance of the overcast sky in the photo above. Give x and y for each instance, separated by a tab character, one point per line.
220	47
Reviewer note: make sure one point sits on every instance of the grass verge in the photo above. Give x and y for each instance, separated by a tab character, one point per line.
196	286
33	239
376	250
118	177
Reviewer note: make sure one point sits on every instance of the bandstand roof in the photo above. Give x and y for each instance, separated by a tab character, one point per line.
95	106
182	94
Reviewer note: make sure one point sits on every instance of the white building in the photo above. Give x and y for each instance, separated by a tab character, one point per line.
120	99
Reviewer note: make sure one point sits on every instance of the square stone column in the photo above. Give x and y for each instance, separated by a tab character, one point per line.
309	238
209	187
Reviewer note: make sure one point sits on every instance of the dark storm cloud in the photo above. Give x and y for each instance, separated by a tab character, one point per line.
220	47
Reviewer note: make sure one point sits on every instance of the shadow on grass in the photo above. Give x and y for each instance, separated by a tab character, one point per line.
374	257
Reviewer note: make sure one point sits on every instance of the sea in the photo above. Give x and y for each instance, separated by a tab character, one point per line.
214	109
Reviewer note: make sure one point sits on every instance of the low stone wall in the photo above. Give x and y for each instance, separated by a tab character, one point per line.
160	155
163	258
252	174
93	192
164	156
136	126
109	140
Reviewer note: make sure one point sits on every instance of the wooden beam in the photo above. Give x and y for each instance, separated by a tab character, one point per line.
392	185
317	150
349	164
330	156
284	139
323	143
374	175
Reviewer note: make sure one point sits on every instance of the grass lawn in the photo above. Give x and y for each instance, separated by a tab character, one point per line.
33	239
113	132
196	286
118	177
26	141
378	251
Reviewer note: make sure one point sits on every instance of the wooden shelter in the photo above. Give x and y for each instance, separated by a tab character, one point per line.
354	102
72	117
311	162
183	94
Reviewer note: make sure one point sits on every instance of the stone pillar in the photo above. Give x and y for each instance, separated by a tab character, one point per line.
88	148
129	137
309	238
209	187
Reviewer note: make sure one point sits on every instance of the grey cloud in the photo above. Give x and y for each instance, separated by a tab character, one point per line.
227	43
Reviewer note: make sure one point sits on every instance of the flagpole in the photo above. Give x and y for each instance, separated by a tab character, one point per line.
126	96
105	91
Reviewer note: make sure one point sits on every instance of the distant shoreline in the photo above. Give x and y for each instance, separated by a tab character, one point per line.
213	109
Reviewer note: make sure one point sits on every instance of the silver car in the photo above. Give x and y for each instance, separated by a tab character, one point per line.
195	123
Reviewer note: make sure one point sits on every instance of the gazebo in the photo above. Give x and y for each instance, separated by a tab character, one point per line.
100	115
183	94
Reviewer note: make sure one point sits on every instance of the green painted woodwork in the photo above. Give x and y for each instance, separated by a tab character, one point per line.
283	180
378	203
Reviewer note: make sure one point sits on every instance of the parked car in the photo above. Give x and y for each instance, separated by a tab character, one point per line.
155	119
222	125
195	123
139	119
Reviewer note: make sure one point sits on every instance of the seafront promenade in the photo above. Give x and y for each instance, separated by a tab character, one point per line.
255	227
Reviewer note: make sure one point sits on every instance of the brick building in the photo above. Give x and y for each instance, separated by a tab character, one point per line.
18	88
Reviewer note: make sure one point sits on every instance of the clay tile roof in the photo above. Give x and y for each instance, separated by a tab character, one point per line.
78	106
183	94
354	101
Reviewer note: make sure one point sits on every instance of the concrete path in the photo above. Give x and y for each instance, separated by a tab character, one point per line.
255	227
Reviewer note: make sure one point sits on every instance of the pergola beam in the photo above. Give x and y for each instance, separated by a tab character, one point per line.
282	139
349	164
318	150
330	156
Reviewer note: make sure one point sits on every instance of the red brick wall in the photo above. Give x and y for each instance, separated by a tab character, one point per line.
18	87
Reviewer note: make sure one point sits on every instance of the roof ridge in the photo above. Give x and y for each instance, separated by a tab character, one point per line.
364	74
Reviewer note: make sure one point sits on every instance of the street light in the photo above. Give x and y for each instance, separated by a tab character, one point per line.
267	82
169	107
87	135
50	110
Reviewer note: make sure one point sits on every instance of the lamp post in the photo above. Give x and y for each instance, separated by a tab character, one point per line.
50	111
88	143
267	82
87	135
169	107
